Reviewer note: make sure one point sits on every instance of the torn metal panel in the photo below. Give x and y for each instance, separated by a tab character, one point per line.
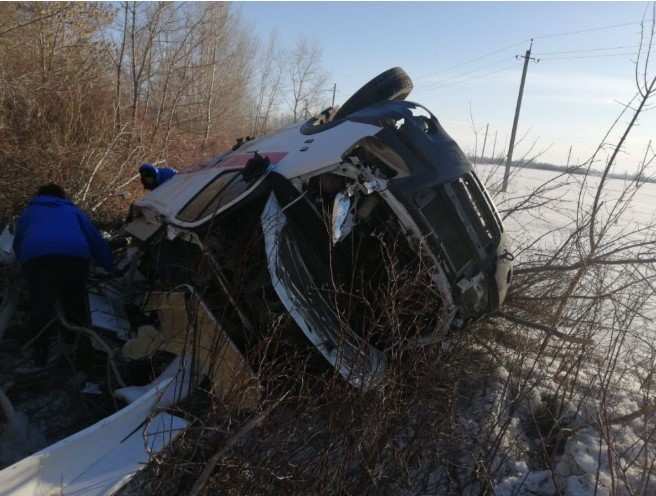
202	337
343	217
142	228
233	380
147	342
107	312
99	459
356	360
172	312
503	274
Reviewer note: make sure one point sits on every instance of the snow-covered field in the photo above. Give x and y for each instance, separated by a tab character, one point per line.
598	455
564	191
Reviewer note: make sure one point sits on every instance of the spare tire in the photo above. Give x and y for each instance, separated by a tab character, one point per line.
393	84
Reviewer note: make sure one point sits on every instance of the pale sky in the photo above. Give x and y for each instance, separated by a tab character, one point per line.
461	57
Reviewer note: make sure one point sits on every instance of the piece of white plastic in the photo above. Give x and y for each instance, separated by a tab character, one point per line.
179	370
101	458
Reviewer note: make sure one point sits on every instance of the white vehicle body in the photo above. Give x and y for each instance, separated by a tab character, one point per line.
470	285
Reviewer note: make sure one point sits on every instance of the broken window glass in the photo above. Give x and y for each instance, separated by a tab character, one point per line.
224	189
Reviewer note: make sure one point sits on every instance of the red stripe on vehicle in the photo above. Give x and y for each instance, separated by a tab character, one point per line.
241	159
236	161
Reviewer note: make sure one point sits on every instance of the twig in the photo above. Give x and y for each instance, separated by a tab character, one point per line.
648	409
544	328
93	336
211	464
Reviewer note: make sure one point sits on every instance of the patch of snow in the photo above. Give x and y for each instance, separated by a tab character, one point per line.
585	485
539	483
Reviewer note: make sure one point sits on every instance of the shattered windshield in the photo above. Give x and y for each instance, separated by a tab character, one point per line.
223	189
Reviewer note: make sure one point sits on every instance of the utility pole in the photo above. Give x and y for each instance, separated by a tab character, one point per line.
334	91
487	126
511	146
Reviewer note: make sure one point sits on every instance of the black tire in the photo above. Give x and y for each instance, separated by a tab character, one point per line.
393	84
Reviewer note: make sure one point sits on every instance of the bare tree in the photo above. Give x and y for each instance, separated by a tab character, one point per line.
268	85
144	26
73	74
306	76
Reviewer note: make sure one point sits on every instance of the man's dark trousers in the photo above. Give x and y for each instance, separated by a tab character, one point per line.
50	279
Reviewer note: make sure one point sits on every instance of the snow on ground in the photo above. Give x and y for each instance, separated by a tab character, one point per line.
589	461
581	468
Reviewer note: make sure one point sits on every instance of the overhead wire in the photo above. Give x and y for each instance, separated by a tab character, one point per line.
481	76
587	30
463	75
589	56
586	50
460	77
475	59
523	41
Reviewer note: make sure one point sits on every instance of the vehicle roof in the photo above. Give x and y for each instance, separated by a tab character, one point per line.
292	154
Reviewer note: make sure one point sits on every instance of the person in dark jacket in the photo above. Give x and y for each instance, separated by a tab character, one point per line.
54	242
153	177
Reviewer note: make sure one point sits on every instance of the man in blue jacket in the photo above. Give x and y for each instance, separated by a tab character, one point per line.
54	243
153	177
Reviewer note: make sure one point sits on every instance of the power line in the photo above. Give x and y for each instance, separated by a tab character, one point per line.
590	56
470	75
513	45
464	78
463	75
585	50
467	79
470	61
588	30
